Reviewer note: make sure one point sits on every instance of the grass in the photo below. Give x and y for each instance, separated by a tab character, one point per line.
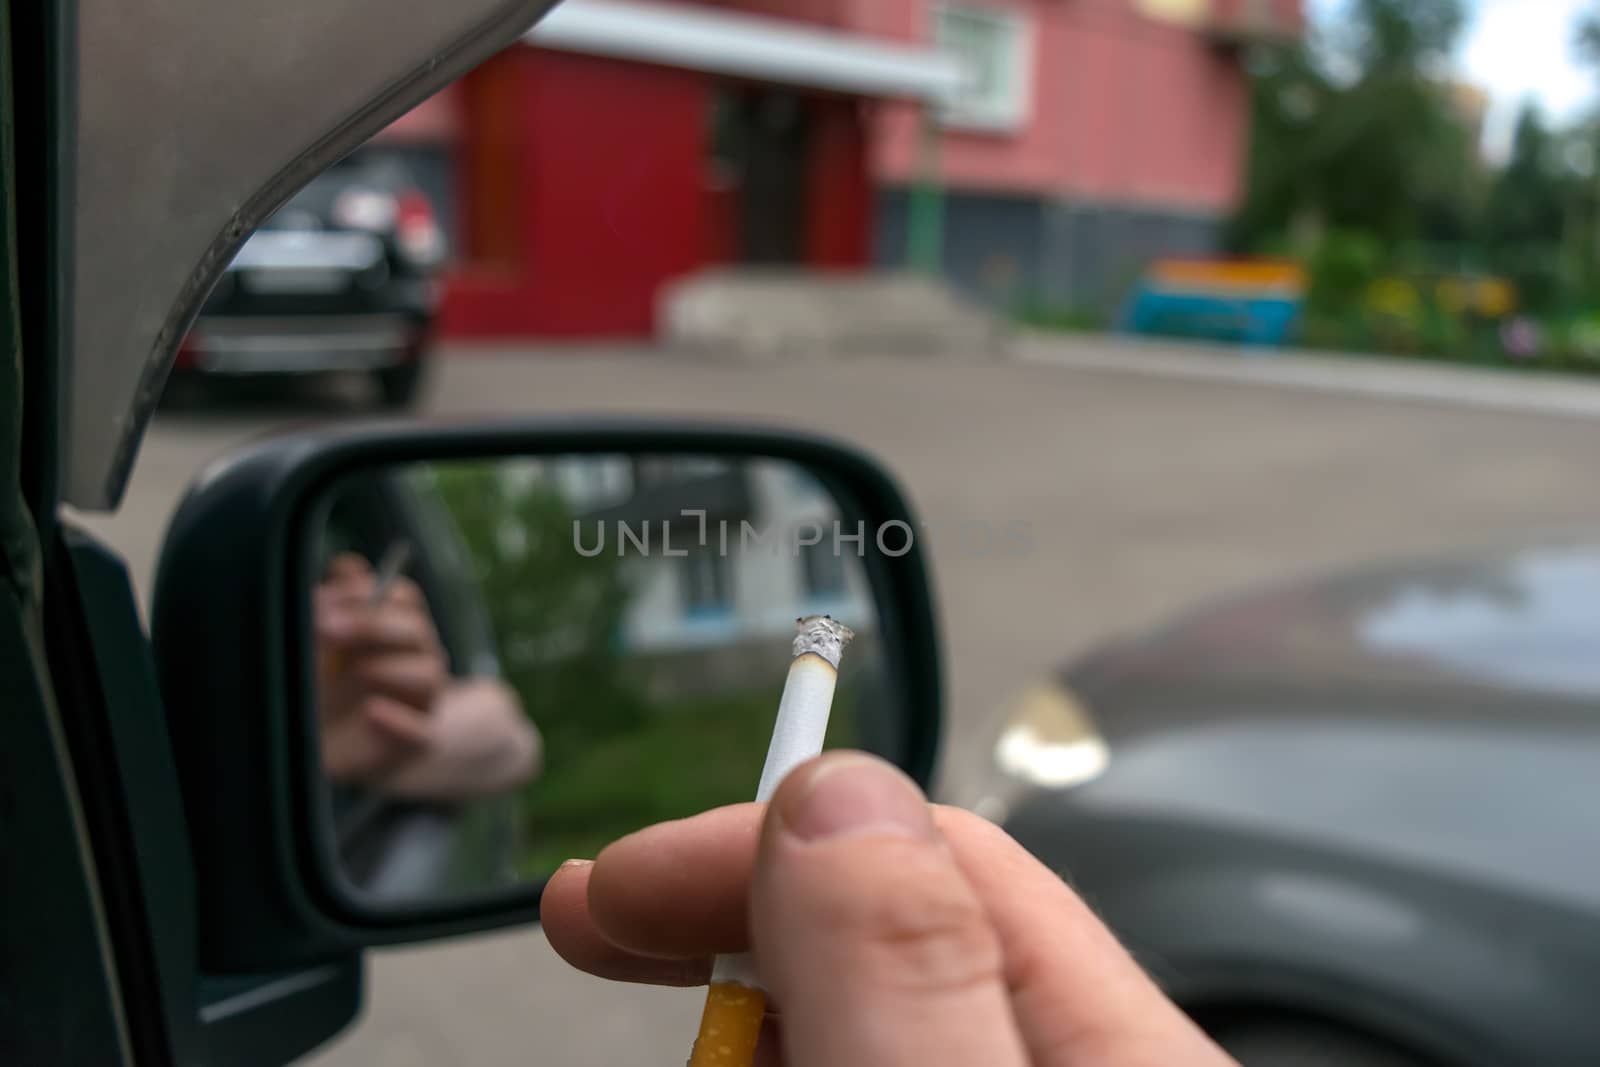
687	756
1061	319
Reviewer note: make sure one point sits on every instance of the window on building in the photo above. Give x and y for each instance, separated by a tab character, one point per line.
707	583
822	569
650	472
996	49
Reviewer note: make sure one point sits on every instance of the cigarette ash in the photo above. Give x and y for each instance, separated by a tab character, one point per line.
821	635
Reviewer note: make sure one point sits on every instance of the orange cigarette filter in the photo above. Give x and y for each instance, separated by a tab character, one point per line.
730	1027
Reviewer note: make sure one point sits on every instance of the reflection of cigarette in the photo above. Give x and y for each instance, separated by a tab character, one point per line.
736	1002
393	562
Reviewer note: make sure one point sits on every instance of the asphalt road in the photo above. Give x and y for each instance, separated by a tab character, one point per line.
1143	493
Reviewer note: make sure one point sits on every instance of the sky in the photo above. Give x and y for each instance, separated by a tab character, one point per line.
1517	49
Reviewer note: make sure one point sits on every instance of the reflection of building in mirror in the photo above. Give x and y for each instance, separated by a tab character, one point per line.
721	553
592	482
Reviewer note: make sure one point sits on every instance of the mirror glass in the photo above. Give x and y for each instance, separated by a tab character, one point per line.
519	660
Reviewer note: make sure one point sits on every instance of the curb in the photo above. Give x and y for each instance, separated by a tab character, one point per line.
1366	376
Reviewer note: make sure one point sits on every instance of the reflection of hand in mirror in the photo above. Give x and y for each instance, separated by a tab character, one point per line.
380	667
480	744
390	715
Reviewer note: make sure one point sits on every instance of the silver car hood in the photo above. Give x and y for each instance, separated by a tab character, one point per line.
1493	635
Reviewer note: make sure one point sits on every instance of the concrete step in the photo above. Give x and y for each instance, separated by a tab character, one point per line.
762	314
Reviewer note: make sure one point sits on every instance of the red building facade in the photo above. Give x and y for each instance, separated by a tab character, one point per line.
627	143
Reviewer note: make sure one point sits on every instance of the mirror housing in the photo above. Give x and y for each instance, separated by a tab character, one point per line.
229	633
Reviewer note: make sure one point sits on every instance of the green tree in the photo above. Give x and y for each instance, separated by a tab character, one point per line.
1584	201
1403	35
1586	38
1355	131
557	614
1525	203
1529	212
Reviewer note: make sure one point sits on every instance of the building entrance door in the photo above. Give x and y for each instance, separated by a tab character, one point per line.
763	140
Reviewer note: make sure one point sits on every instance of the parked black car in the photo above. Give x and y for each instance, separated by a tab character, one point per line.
342	278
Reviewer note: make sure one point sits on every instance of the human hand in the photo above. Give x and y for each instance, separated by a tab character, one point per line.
889	932
481	744
379	670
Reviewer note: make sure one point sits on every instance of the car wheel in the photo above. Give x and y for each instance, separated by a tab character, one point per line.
397	386
1307	1043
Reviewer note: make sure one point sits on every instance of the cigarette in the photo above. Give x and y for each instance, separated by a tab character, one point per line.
736	1001
389	568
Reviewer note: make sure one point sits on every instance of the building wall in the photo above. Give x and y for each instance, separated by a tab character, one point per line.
837	14
1123	109
586	185
1132	147
583	185
1014	251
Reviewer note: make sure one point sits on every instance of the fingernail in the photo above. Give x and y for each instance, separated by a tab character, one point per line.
849	794
575	863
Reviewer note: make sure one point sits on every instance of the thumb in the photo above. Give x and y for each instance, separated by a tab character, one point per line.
866	931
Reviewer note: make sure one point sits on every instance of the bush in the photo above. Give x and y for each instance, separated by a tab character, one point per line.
557	615
1343	269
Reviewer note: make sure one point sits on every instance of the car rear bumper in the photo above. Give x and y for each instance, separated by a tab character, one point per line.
239	344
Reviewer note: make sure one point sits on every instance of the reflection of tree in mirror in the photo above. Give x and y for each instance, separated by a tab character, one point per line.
556	614
688	756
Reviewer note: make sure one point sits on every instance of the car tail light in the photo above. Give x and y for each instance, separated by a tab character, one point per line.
186	356
417	231
365	209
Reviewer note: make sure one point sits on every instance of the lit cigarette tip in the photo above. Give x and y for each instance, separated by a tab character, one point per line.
821	635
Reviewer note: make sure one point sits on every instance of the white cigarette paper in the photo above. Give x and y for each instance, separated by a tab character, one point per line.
797	735
389	568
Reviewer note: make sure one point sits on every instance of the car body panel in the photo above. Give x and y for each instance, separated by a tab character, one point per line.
172	178
301	344
1499	807
137	155
1230	917
1509	636
1367	797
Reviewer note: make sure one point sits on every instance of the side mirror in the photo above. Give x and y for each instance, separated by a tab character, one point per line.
408	671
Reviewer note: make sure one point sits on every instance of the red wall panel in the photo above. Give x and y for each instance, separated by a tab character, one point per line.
611	201
838	187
